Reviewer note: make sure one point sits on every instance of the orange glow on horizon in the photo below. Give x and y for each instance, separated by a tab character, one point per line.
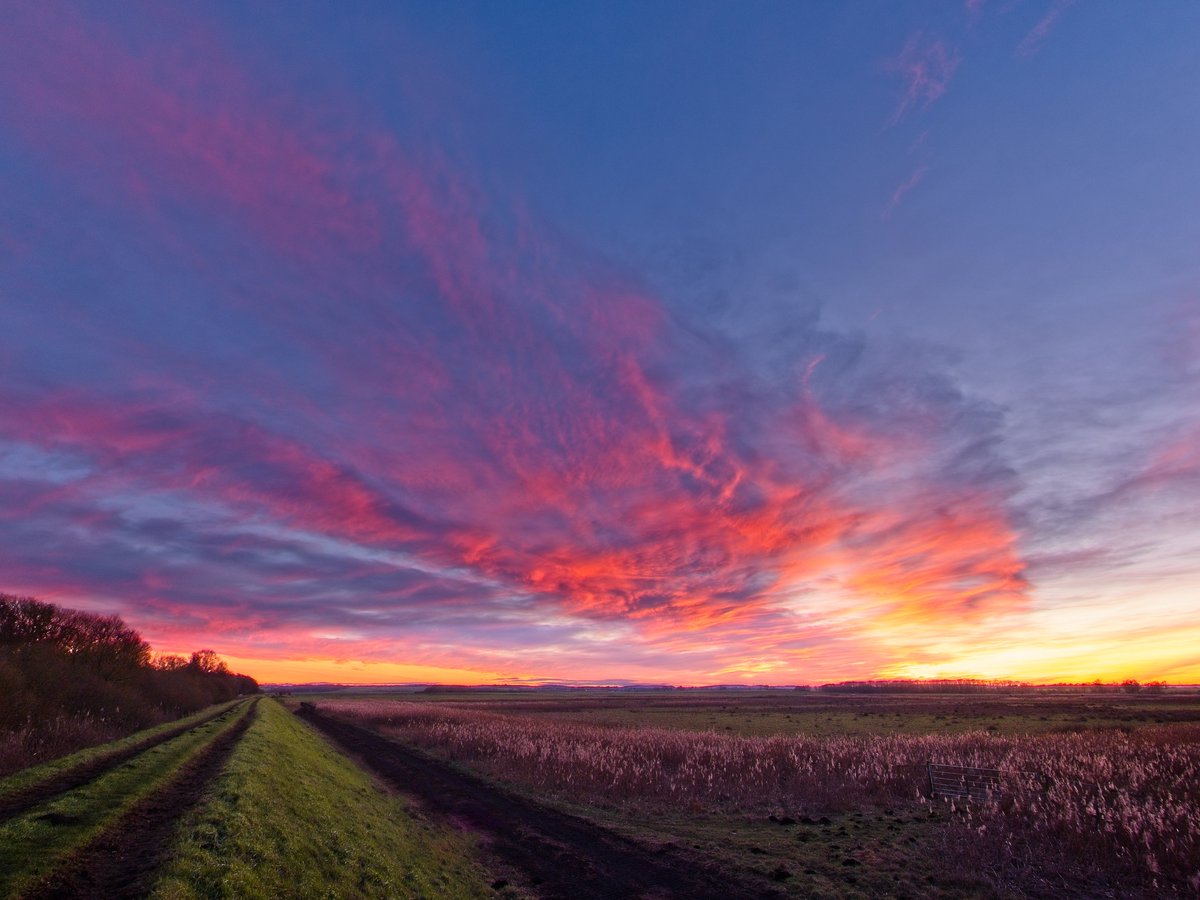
1154	659
312	670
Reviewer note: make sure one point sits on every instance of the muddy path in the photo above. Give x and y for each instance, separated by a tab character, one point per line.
122	860
551	854
21	801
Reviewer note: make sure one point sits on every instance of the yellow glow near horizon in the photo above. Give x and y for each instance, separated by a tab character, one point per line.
308	670
1037	665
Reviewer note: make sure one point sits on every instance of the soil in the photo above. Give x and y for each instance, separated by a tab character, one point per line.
36	794
549	854
121	861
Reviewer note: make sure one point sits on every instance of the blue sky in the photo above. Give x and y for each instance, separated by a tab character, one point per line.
697	342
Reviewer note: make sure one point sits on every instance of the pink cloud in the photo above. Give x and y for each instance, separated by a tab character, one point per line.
1032	42
502	405
902	189
199	129
926	67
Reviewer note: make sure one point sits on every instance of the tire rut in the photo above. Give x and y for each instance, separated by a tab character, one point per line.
558	855
121	861
37	794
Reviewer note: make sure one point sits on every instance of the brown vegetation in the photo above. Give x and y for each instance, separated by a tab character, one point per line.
1118	804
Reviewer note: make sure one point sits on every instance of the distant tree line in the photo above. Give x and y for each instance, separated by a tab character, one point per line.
922	686
69	679
979	686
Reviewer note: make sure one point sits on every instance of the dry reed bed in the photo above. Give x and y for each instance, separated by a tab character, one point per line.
1127	800
35	742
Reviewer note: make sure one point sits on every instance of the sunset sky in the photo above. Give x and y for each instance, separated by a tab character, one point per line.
686	342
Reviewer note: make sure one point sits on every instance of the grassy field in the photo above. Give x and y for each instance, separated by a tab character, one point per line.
807	794
290	817
282	814
760	713
36	843
29	778
872	852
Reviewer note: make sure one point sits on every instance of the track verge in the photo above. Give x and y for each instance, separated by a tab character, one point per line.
557	855
35	794
121	860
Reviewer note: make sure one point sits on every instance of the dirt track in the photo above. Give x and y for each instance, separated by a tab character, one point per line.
555	855
39	793
120	862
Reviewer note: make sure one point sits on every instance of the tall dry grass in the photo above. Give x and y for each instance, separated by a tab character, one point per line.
1127	802
39	741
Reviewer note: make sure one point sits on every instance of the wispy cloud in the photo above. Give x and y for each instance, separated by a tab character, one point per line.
902	189
458	412
1032	42
926	66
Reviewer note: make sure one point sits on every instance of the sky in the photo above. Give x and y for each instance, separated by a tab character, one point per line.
678	342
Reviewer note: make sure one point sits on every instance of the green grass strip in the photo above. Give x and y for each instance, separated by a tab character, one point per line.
26	778
32	844
293	817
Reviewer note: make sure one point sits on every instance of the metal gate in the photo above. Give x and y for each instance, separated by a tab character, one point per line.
974	783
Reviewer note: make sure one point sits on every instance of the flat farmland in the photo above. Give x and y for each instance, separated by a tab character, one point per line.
819	794
772	712
704	795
